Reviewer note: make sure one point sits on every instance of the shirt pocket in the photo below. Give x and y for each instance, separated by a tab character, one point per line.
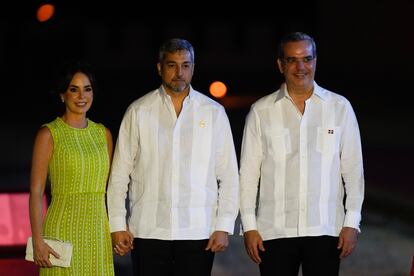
278	142
328	140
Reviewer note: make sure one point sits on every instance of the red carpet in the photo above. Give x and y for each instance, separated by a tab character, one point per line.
18	267
412	267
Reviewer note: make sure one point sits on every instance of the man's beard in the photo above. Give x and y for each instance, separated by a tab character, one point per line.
177	88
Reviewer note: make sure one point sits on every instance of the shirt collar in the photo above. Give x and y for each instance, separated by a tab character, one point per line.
317	90
320	92
165	96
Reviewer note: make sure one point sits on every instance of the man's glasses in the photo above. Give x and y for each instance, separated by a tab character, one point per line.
294	60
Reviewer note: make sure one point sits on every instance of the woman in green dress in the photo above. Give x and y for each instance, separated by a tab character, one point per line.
75	153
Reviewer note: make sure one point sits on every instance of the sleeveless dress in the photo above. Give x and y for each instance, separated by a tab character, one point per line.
78	172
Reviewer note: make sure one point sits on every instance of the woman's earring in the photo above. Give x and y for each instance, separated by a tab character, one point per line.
63	100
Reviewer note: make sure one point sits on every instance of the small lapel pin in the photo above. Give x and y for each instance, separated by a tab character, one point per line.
202	124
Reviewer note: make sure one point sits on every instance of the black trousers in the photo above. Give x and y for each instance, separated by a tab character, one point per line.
152	257
317	255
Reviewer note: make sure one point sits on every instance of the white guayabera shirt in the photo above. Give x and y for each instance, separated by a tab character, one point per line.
305	163
181	173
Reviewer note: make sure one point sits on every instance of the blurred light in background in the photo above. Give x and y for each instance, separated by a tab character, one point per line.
45	12
218	89
14	220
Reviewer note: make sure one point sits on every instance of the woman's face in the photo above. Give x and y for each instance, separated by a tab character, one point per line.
78	97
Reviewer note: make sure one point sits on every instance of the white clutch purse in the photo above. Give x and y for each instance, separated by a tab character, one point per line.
64	249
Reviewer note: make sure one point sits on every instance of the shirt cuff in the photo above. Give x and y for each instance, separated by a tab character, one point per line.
249	223
352	219
225	224
117	224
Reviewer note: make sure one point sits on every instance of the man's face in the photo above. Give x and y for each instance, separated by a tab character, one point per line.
176	71
298	65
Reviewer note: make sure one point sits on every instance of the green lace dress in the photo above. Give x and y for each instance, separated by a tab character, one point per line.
78	172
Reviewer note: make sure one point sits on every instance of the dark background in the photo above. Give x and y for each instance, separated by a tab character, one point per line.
365	52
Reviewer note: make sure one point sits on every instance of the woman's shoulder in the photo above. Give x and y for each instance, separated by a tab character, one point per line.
98	126
51	125
44	133
94	124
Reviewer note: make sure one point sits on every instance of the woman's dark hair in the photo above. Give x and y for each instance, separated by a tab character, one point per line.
68	69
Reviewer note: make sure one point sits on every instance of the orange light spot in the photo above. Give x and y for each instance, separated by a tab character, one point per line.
45	12
218	89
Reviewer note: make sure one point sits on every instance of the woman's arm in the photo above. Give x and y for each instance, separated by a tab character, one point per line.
42	152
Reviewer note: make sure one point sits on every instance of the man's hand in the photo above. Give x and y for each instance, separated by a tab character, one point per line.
347	241
122	242
253	243
218	241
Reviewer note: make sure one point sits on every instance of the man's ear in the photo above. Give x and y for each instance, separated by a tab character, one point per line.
159	68
279	65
